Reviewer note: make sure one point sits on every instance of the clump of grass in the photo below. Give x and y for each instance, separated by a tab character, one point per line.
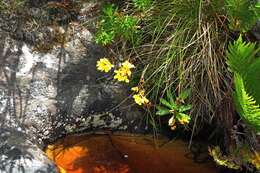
183	44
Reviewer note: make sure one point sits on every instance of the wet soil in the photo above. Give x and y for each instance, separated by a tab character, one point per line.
124	154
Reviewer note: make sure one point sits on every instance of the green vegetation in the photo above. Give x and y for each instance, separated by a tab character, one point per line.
176	108
236	158
113	24
246	104
180	44
246	68
184	66
142	4
242	14
243	60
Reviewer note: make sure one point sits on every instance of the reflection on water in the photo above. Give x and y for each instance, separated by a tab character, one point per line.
123	154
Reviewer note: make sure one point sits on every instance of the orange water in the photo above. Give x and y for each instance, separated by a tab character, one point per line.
123	154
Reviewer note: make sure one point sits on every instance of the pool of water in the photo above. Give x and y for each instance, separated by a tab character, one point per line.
124	153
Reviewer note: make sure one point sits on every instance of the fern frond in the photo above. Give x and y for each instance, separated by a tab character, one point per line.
240	55
246	104
252	80
241	59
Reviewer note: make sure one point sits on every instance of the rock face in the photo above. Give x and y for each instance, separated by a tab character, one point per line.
61	91
18	154
50	89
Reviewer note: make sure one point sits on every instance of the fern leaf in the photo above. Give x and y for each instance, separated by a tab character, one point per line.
246	105
252	80
240	56
246	67
242	60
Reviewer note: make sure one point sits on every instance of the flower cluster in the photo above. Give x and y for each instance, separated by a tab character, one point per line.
139	97
122	75
104	65
124	72
183	119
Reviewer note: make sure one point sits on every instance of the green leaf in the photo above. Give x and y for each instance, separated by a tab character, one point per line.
246	106
104	38
108	10
185	94
241	59
170	97
127	26
184	108
162	111
167	104
240	55
252	80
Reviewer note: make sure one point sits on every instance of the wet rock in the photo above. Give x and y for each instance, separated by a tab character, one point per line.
49	87
18	154
52	90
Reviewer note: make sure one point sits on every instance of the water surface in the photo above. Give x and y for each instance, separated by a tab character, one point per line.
124	154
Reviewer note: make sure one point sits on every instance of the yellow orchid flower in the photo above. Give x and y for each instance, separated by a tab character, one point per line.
184	121
135	89
124	72
139	99
172	123
127	65
122	75
104	65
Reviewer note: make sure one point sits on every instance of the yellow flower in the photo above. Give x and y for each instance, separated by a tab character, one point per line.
140	99
185	119
135	89
104	65
127	65
145	100
172	123
255	160
124	72
122	75
141	92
